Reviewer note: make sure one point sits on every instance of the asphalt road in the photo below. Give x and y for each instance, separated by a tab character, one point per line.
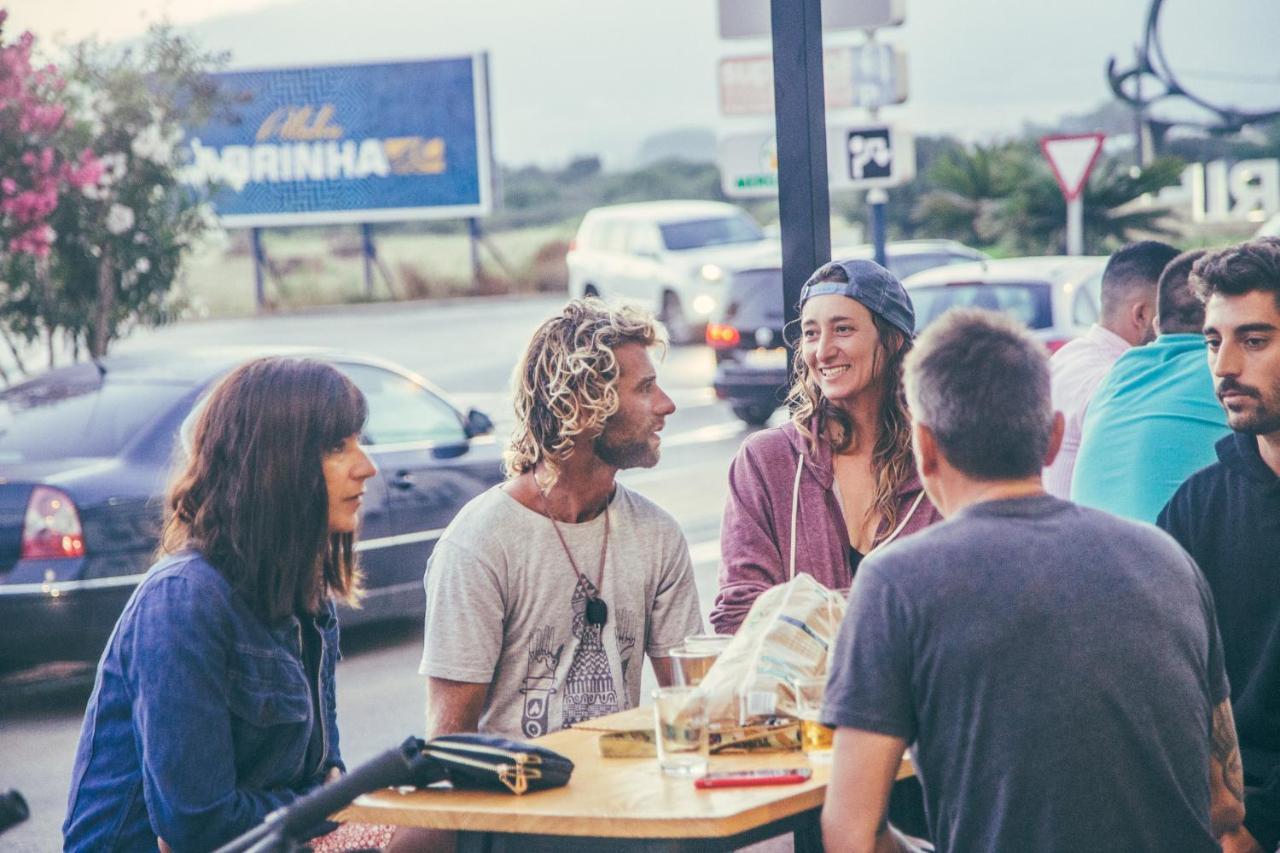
467	348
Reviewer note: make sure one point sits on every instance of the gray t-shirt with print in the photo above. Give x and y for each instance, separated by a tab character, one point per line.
1056	668
505	608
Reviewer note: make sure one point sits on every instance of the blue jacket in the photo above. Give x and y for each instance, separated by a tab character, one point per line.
200	717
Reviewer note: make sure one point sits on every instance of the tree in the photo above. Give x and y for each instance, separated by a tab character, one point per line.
37	168
124	235
969	191
1115	211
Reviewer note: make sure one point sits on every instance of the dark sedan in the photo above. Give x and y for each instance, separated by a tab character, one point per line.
86	452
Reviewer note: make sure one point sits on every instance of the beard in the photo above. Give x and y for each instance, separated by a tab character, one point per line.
625	452
1262	418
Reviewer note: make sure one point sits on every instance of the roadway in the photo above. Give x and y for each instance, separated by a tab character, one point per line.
468	348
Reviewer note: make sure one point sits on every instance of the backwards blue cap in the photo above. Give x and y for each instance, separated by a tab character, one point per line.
870	284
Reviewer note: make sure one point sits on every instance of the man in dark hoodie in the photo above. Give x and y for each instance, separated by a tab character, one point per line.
1228	514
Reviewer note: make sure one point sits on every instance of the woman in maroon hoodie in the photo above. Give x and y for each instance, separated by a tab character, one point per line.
818	494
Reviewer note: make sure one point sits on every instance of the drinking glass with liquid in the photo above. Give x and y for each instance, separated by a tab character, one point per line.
680	727
815	738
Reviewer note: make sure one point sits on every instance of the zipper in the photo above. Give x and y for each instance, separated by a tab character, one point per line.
320	698
521	774
519	757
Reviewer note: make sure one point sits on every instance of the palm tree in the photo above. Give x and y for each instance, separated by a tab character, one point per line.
1116	208
971	187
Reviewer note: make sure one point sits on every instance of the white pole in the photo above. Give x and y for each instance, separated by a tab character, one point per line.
1075	226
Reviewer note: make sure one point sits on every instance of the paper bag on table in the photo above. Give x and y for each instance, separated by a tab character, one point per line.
788	634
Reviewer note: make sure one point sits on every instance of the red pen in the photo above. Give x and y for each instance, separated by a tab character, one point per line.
749	778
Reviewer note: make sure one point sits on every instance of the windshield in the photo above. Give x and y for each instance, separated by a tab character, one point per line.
696	233
1028	303
42	421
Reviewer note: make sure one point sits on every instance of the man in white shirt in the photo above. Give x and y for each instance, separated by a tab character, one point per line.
1128	314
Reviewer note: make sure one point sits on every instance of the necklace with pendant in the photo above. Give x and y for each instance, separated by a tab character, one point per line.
597	611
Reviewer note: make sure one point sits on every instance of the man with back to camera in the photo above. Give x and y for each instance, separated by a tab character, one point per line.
1228	515
1154	419
1128	309
1057	669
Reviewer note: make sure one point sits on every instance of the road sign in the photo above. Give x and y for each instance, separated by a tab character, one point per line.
858	157
868	156
865	75
1071	157
744	19
749	165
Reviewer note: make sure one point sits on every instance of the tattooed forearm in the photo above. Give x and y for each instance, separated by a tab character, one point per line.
1226	751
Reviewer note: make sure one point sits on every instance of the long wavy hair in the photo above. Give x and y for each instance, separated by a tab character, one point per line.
251	495
818	419
566	384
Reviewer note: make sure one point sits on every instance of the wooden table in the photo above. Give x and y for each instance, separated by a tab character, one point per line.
623	804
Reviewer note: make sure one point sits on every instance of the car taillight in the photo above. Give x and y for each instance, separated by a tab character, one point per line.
52	526
721	336
1055	344
573	244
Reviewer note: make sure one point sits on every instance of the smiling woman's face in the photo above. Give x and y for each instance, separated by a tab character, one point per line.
841	348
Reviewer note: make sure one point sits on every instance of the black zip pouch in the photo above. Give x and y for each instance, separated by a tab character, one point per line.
483	761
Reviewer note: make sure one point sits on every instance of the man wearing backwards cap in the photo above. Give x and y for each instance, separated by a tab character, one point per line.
818	493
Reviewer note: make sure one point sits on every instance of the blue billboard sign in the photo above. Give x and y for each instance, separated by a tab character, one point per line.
349	143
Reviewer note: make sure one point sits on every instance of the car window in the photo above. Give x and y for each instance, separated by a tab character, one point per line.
1028	303
696	233
56	419
613	236
1084	309
644	241
908	265
401	410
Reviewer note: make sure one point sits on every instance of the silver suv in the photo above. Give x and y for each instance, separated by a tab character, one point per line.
673	258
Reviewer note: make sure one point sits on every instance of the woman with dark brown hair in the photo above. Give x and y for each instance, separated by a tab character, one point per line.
819	493
214	700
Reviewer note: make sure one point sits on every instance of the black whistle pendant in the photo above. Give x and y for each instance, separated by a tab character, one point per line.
597	611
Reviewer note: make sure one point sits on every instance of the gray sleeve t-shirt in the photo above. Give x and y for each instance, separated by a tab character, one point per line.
504	607
1056	669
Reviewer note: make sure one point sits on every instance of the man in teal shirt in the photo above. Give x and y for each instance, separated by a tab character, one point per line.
1154	419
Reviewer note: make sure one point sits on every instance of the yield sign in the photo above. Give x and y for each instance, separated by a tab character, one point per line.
1072	158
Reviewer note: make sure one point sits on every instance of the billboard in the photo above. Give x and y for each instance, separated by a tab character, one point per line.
349	143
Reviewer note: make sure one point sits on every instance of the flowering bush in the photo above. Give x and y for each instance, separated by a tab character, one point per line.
34	169
95	237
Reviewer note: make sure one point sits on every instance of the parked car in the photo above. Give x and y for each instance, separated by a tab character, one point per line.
747	335
670	257
1058	298
86	452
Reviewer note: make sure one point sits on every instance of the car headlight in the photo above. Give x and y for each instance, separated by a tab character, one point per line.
711	272
703	304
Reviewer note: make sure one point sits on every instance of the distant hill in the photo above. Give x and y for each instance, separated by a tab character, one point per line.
691	144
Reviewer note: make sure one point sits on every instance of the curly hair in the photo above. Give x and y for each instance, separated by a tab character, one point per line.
251	495
566	383
892	462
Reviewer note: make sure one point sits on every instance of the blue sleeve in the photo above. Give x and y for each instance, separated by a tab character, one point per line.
869	685
175	665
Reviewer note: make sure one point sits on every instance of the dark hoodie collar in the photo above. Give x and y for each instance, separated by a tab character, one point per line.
821	465
1239	452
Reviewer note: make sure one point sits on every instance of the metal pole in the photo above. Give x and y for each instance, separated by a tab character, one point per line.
804	204
473	229
876	198
1075	226
366	247
259	260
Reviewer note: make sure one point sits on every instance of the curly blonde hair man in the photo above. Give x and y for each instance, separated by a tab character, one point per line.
566	384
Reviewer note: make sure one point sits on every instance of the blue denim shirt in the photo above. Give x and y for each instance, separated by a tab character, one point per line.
200	717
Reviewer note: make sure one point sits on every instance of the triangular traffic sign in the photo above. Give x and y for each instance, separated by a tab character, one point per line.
1071	157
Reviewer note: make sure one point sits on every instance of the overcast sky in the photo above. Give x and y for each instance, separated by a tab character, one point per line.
598	76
